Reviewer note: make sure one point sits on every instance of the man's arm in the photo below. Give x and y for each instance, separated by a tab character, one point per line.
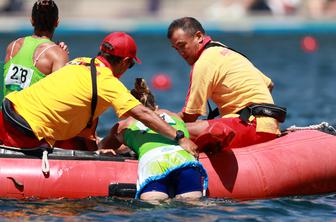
114	141
188	118
154	121
111	141
270	87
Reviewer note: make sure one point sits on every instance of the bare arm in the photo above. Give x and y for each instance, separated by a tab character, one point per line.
188	117
270	87
114	141
111	141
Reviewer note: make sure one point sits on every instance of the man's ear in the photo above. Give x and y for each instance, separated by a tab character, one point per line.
125	59
200	37
56	23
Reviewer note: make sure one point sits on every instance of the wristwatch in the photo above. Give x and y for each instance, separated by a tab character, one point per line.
179	135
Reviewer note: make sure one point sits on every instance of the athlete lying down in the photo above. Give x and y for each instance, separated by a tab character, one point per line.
165	169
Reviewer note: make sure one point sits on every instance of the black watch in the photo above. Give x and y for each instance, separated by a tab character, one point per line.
179	135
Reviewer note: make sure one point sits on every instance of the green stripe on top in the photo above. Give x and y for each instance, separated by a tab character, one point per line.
142	139
20	72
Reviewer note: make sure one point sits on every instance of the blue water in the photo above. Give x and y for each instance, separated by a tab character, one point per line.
304	83
309	208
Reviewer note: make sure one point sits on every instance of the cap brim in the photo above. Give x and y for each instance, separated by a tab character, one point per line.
137	60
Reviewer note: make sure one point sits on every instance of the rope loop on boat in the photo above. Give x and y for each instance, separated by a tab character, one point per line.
45	162
322	125
45	151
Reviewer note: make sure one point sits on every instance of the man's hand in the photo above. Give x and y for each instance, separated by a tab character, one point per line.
63	46
188	118
189	146
106	151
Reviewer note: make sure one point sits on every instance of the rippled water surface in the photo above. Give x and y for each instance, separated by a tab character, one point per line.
304	83
309	208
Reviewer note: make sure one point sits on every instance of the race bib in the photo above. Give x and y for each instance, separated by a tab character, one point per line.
19	75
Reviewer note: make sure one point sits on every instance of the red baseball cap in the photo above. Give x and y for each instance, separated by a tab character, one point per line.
123	45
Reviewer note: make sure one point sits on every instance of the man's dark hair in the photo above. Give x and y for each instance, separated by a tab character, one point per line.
45	15
187	24
112	59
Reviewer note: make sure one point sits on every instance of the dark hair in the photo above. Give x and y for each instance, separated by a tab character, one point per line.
112	59
187	24
142	93
45	15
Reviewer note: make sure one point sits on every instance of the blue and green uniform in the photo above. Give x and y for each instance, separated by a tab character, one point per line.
158	155
20	71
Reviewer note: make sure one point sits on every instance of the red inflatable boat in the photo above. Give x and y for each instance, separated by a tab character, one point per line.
299	163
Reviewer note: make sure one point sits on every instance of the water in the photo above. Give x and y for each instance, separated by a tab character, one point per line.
304	83
309	208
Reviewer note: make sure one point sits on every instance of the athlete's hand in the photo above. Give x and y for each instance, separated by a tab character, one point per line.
106	151
63	46
189	146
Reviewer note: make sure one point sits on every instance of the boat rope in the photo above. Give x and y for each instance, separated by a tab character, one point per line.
45	162
322	125
2	146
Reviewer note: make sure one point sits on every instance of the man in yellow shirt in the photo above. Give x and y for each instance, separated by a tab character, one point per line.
241	92
61	105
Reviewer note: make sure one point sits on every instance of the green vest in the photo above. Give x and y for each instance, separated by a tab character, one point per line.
20	72
142	139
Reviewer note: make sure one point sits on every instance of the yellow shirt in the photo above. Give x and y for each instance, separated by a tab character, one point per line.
59	106
232	82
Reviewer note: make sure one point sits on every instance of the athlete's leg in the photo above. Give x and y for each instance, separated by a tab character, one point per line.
155	190
190	195
153	195
189	183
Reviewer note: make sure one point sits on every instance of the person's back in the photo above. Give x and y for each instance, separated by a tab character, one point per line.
165	168
143	139
162	161
31	58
